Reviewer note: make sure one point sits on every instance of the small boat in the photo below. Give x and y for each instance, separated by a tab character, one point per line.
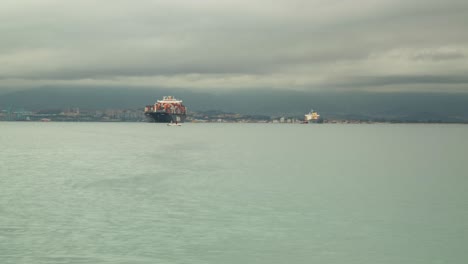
174	124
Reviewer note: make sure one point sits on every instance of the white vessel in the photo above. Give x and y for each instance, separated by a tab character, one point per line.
312	117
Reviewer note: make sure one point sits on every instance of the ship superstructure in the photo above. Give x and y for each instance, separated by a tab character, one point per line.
167	110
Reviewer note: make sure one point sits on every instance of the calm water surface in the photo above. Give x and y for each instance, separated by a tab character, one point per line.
233	193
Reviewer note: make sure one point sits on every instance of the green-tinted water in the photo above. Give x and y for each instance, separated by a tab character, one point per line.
233	193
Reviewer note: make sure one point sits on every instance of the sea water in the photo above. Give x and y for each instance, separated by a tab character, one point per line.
233	193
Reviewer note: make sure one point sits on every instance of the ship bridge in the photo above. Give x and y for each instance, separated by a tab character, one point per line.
169	100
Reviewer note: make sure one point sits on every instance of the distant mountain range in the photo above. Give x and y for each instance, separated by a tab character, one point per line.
446	107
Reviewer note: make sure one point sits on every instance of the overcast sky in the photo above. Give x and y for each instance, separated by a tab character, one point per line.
377	45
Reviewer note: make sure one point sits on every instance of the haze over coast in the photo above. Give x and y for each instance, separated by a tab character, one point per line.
445	107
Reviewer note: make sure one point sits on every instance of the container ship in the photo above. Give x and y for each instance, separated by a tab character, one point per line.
312	117
167	110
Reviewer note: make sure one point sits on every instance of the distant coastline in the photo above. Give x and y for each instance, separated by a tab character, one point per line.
137	115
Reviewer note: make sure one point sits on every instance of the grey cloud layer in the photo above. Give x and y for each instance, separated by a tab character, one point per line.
300	44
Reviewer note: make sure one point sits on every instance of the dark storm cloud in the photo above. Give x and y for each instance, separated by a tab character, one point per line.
296	44
439	55
402	79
